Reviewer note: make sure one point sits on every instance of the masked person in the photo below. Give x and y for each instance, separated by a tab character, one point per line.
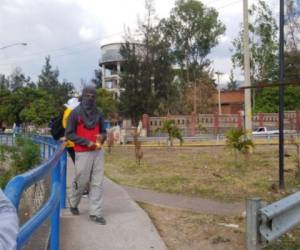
86	129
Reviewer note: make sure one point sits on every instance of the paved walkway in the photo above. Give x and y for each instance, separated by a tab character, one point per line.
128	226
199	205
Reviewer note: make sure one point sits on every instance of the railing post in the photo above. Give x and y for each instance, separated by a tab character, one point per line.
63	166
55	217
252	223
44	150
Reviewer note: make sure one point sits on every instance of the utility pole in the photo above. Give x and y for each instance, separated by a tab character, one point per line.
219	92
247	83
281	94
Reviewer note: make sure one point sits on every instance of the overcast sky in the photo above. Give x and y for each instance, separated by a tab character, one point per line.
70	31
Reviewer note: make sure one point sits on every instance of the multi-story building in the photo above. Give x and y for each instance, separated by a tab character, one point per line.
111	63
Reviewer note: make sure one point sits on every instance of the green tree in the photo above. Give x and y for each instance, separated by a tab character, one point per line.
193	30
263	33
267	99
292	38
147	73
18	80
106	102
40	110
97	80
232	84
4	82
48	81
29	105
292	27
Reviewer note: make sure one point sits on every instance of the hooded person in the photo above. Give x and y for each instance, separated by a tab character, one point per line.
86	130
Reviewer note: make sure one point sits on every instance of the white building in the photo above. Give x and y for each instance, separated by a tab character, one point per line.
111	63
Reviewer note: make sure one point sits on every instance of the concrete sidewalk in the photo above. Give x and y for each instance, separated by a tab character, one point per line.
128	226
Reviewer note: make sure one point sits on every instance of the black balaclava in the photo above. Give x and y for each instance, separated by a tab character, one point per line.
88	110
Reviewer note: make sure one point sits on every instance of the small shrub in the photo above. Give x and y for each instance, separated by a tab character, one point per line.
5	176
25	155
172	130
237	140
137	147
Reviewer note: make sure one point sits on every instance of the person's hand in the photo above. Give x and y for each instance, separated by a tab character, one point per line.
98	145
63	138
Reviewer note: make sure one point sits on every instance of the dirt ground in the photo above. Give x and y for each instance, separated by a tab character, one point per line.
182	230
208	172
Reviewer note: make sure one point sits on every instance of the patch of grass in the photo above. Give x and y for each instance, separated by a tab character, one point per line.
289	241
207	172
186	230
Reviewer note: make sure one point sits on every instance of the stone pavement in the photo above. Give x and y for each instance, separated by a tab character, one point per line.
128	226
194	204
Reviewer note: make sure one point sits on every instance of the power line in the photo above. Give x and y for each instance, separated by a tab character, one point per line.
32	55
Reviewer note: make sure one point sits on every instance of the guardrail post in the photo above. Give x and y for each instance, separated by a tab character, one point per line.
252	223
55	232
63	189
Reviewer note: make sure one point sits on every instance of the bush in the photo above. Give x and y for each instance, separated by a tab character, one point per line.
24	156
237	140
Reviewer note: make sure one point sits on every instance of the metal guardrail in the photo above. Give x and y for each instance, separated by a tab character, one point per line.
55	162
266	223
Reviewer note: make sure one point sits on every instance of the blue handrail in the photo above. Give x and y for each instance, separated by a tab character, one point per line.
56	162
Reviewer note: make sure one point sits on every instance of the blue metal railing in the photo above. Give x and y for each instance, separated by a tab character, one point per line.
56	162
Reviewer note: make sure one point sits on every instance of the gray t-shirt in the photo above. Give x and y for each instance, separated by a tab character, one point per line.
9	224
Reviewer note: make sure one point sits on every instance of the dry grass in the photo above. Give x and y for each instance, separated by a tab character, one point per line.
207	172
182	230
186	230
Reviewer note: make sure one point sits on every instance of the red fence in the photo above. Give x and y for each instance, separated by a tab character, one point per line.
214	123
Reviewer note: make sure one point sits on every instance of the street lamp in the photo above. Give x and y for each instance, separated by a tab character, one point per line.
14	44
219	91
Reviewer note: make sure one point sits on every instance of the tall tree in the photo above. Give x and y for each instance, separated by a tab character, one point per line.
18	80
292	27
267	101
232	84
193	30
16	104
97	79
4	82
263	33
147	72
48	81
292	38
106	102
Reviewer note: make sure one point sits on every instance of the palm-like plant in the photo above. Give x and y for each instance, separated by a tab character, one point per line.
172	130
237	140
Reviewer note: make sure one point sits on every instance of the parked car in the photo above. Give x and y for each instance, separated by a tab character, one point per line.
264	131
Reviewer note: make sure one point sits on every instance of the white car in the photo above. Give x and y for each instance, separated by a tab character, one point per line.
264	131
